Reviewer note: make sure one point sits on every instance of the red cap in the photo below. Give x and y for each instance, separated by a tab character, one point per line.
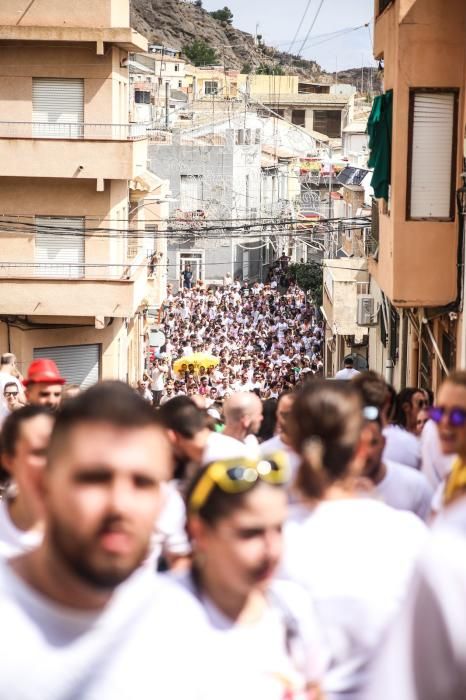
43	371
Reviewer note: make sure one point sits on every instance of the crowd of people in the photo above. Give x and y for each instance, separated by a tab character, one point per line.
267	341
283	537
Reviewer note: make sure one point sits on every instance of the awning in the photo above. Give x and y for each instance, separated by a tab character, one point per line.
379	128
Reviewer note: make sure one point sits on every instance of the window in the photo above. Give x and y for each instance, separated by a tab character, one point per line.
191	192
298	117
433	118
59	247
210	87
142	97
57	107
180	83
164	66
328	122
177	67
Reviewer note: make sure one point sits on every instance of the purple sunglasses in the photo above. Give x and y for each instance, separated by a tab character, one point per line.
456	416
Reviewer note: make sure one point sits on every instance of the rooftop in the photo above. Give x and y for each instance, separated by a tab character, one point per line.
301	98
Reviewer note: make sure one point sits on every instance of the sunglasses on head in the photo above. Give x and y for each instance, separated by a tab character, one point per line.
456	416
238	476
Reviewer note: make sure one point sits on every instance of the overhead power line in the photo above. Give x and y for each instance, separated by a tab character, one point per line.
300	25
311	27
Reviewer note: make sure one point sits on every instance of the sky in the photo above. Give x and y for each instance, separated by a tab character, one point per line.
278	22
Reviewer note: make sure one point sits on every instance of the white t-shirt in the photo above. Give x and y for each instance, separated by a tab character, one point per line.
12	540
142	645
263	668
424	657
346	373
276	444
401	446
435	465
355	557
170	530
158	378
220	447
405	488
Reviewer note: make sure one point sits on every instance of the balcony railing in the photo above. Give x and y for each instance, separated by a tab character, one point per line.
73	271
84	131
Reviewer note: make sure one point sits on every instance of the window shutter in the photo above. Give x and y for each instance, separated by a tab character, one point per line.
433	136
78	364
59	253
57	107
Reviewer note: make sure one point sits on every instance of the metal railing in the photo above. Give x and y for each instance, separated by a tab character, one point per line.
73	271
65	130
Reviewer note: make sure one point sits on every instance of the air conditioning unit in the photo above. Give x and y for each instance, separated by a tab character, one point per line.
366	314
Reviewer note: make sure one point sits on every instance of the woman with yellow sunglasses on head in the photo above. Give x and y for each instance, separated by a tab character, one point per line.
264	640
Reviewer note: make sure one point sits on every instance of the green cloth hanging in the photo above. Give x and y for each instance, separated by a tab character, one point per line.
379	129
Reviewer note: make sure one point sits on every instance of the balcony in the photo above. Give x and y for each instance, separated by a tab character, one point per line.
58	289
72	150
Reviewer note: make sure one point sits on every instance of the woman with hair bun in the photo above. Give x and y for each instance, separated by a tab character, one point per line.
265	643
354	555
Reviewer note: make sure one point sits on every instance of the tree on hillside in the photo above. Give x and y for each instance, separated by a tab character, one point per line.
265	69
246	68
200	53
309	277
225	15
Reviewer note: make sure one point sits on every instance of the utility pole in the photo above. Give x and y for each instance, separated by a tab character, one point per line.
167	118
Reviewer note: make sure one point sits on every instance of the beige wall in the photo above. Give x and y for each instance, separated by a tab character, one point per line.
426	50
113	340
48	197
262	84
83	13
102	78
72	158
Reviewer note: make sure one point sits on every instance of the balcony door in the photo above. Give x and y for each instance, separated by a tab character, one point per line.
57	108
59	247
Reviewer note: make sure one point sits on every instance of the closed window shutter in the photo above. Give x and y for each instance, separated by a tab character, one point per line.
58	253
78	364
191	192
433	129
57	107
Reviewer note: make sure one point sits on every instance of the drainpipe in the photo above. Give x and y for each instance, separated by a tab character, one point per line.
404	349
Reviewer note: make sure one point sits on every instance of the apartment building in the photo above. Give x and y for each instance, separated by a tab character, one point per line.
417	334
75	284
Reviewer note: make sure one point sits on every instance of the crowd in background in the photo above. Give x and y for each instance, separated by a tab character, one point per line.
247	529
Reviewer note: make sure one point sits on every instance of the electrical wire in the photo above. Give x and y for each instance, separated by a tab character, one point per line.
311	27
300	25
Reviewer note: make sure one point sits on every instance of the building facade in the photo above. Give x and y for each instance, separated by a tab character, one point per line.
418	260
75	282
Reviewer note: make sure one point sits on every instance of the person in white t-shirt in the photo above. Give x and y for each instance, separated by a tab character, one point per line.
397	485
243	417
8	373
355	556
25	437
158	374
191	438
348	371
402	443
281	441
87	618
424	657
236	510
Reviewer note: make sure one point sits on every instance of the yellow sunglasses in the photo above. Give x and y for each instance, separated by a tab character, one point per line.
239	475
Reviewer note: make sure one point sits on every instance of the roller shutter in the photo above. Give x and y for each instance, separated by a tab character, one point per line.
79	364
57	107
59	253
433	135
191	192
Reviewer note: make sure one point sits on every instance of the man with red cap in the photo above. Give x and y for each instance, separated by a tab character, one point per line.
44	384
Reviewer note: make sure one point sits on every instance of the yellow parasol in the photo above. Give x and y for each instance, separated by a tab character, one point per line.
198	359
